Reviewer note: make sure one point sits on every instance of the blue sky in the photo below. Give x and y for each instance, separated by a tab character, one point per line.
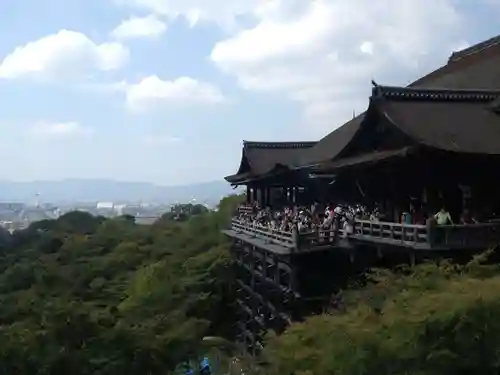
166	90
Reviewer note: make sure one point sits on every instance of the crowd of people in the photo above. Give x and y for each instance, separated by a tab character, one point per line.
306	219
336	216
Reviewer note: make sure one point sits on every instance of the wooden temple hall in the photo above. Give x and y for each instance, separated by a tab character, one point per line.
430	147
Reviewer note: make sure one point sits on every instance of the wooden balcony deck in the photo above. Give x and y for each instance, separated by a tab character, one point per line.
417	237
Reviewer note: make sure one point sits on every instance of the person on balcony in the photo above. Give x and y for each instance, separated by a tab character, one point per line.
418	215
467	218
349	223
443	217
406	218
375	215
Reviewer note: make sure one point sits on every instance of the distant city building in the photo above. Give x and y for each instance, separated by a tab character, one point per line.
105	205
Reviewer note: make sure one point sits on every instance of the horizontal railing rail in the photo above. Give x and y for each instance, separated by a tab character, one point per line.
471	236
394	232
272	236
245	209
467	235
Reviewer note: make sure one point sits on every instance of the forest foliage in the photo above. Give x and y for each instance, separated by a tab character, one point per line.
88	295
437	318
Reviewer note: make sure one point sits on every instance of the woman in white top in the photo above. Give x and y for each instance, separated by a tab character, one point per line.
443	217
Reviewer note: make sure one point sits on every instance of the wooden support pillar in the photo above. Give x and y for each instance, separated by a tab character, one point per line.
264	264
277	271
352	255
294	280
412	259
252	267
260	196
249	192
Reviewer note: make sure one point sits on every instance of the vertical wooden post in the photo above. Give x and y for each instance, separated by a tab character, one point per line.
264	264
295	237
431	232
412	259
252	266
260	197
277	271
352	255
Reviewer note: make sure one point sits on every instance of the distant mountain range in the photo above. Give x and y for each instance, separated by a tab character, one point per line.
92	190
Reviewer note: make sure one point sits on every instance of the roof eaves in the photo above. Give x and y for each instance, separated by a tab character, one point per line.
278	145
368	158
410	93
237	178
278	169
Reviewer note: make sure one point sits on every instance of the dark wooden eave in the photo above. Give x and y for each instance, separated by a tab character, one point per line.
330	146
236	179
476	67
262	159
364	159
457	121
461	121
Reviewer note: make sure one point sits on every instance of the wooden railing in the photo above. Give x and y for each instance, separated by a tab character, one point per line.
245	209
286	239
466	236
471	236
390	233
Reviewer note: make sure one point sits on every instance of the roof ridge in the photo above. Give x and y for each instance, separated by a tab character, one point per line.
455	56
397	92
278	145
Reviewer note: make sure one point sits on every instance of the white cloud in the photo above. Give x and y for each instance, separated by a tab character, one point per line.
223	12
67	52
323	53
58	130
140	27
183	90
367	47
159	140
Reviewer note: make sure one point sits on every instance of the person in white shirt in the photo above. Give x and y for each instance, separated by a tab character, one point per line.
443	217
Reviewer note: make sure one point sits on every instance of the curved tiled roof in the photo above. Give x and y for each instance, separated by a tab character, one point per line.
332	145
426	110
479	47
451	120
476	67
260	158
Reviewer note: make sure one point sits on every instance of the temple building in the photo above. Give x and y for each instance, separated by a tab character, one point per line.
423	160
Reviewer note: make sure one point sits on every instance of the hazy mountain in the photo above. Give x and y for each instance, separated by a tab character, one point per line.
80	190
